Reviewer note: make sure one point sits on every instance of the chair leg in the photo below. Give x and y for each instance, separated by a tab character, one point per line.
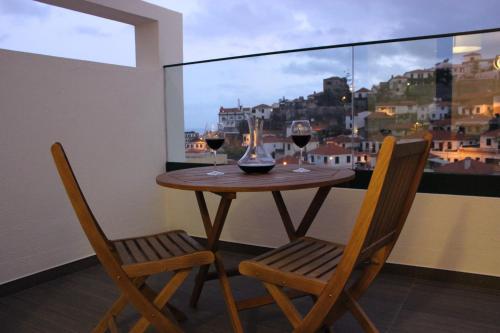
360	315
115	309
284	303
112	325
151	295
178	314
362	283
162	298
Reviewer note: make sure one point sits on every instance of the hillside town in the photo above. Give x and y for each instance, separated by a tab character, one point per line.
458	103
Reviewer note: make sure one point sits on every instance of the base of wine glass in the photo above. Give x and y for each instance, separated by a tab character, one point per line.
215	173
301	170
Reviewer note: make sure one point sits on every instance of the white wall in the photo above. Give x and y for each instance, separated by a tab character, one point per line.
111	121
457	233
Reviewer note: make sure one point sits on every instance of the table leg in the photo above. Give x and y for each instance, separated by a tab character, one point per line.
213	232
309	216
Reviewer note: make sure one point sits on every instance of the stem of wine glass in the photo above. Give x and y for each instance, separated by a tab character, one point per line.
215	160
300	160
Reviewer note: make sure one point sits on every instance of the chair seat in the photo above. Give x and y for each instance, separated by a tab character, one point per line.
305	264
162	252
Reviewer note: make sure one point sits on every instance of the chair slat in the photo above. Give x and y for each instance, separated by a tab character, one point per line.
326	268
136	252
285	253
169	245
313	266
160	249
277	250
147	249
296	265
298	255
123	253
194	244
174	237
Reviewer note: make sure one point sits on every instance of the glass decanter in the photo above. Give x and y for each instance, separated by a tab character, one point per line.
256	158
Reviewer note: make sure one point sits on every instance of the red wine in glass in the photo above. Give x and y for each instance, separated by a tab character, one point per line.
301	134
301	140
214	143
214	137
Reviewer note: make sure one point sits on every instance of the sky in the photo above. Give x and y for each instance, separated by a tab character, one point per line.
220	28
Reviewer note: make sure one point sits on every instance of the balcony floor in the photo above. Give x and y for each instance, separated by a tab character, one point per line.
396	303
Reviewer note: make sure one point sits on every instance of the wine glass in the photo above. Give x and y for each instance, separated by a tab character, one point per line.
214	137
301	134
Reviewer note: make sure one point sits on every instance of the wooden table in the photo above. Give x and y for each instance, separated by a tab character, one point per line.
281	178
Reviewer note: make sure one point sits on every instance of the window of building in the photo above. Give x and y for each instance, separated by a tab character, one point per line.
348	159
325	159
488	142
337	160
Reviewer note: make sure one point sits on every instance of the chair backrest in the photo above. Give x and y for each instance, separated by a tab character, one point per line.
102	246
386	205
389	197
94	233
391	193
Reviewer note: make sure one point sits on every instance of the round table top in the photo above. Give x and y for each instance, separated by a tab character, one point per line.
281	178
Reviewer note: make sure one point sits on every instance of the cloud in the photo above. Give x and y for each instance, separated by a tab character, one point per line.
27	8
225	28
91	31
3	37
314	67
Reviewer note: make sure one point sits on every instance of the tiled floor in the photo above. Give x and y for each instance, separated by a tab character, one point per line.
74	303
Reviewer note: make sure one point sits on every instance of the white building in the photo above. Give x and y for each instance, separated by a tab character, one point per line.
230	118
433	111
490	140
275	145
419	74
345	141
191	135
331	155
484	109
398	84
262	111
362	93
195	145
358	123
450	141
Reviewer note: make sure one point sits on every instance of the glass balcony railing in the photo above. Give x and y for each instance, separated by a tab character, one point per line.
353	96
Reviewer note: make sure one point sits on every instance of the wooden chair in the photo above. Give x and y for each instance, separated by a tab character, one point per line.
129	262
322	269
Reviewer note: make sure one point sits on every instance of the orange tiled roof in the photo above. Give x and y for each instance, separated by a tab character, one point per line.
469	166
330	149
343	139
493	133
448	135
229	110
262	106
